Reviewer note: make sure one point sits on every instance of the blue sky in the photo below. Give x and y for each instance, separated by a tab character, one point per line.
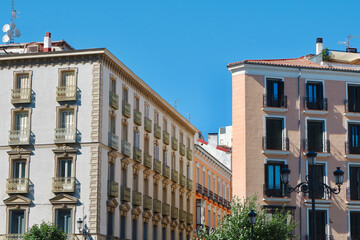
181	47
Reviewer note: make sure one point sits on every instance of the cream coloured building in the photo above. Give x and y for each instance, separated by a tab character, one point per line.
84	138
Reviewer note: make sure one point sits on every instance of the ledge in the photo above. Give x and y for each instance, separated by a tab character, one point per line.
352	156
274	109
327	202
275	152
352	114
320	154
354	202
276	199
315	112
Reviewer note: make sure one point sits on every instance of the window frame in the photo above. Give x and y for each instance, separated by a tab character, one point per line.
61	71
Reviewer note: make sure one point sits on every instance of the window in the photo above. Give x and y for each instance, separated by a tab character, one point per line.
134	229
164	157
65	168
145	229
136	139
146	145
124	132
353	138
67	118
353	102
214	220
321	223
274	134
164	194
156	152
274	93
113	85
209	180
173	162
200	212
137	103
274	187
66	90
209	218
111	171
17	222
214	183
20	132
181	167
197	174
319	171
315	99
135	182
68	79
147	111
354	182
66	125
181	138
163	233
123	177
180	236
146	186
125	94
203	177
21	92
110	221
156	118
112	124
315	136
19	169
155	232
122	227
165	124
63	220
156	189
172	235
354	225
219	187
173	131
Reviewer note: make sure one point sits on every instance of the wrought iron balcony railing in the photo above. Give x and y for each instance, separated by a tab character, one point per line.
19	137
147	202
136	198
147	124
352	147
157	131
205	191
125	194
275	191
174	212
275	101
148	160
137	117
125	148
17	185
113	141
157	166
316	103
319	237
113	188
63	184
353	193
317	145
113	100
166	137
275	143
126	109
65	135
21	95
156	206
199	188
165	209
137	154
211	195
66	93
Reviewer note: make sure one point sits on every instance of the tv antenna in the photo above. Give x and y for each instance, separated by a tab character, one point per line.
347	42
176	103
11	30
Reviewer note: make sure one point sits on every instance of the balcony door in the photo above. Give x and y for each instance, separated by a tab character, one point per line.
67	119
354	137
319	174
63	220
272	179
65	166
321	221
354	98
315	98
19	168
274	92
315	136
23	84
21	121
354	225
274	133
354	182
17	222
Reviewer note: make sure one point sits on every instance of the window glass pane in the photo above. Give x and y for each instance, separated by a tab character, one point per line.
68	78
22	81
277	177
17	222
67	119
134	229
145	231
65	167
21	121
122	227
63	219
155	232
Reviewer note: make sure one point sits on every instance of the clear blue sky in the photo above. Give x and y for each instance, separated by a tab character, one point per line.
181	47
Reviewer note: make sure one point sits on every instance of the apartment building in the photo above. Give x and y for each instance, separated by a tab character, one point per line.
213	182
84	138
284	108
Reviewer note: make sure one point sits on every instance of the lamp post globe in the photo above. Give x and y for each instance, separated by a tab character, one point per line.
252	217
339	176
311	157
285	175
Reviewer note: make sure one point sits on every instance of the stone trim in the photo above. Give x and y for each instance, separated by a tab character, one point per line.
124	209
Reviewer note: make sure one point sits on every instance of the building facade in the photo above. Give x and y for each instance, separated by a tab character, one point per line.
284	108
213	183
84	138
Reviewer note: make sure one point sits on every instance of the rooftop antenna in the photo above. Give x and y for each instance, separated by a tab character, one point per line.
189	116
176	103
10	30
347	42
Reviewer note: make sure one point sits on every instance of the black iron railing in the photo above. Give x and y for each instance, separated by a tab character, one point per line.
352	148
351	106
273	101
317	145
275	143
316	103
275	191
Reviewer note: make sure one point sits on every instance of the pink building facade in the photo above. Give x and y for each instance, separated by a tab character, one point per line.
283	109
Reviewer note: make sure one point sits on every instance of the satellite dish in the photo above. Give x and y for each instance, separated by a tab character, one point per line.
17	32
13	14
10	34
12	25
5	38
6	28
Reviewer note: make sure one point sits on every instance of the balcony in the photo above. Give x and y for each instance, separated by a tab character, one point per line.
189	184
277	191
137	117
17	185
66	93
205	192
166	171
148	160
126	109
352	148
113	141
174	212
113	100
125	148
147	124
147	202
137	154
174	176
63	184
190	218
166	137
189	154
221	201
216	197
157	131
353	193
275	102
182	216
19	137
157	166
113	189
165	209
136	198
182	149
156	206
125	194
316	104
21	95
65	135
199	188
275	143
211	195
174	143
317	145
352	106
182	180
12	236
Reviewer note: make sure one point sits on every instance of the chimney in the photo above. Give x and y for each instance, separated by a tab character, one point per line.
47	42
319	45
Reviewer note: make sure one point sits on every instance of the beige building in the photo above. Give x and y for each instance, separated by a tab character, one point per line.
284	108
83	137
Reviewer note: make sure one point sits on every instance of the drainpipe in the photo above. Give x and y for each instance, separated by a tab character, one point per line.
300	145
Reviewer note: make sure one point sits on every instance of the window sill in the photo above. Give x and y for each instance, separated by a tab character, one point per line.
274	109
320	154
275	152
315	112
277	199
352	114
353	202
307	202
352	156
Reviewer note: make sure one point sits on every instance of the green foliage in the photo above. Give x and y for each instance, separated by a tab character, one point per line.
327	55
236	226
46	231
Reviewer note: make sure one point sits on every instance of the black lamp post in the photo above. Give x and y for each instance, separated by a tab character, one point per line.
252	220
82	229
309	185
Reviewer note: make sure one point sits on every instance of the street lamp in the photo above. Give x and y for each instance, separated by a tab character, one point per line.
252	220
82	229
309	184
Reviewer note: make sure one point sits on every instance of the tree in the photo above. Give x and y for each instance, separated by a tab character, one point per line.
46	231
236	226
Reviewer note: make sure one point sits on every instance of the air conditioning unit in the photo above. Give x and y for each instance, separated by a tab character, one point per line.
32	49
